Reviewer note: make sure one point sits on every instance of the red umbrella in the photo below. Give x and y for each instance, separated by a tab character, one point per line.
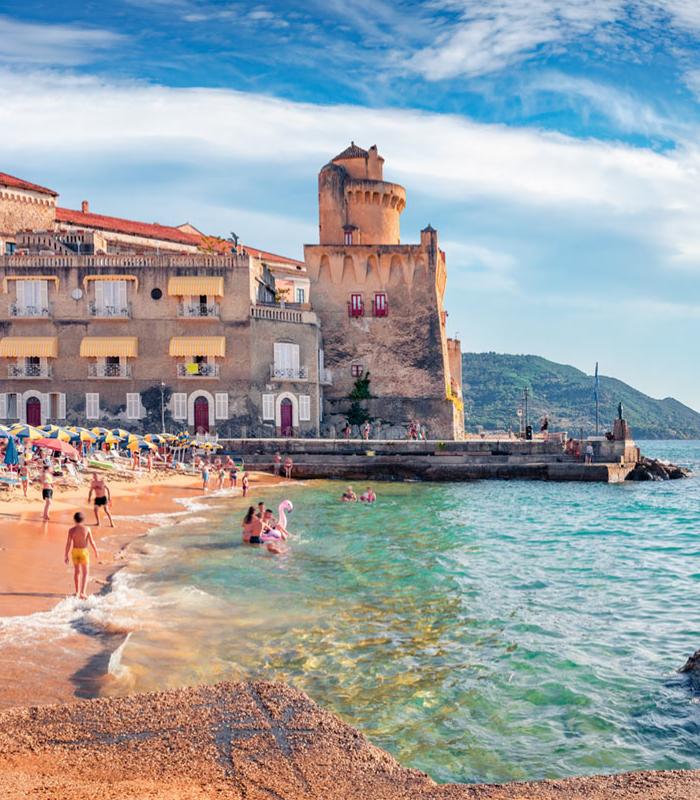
58	446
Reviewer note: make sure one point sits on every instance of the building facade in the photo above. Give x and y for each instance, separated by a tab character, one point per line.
380	303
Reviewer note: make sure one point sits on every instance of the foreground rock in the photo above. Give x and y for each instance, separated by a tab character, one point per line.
651	469
258	741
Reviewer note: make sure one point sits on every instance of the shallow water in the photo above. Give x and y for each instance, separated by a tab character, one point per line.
482	632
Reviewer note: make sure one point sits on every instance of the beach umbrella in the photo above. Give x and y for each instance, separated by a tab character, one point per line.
56	432
141	444
100	431
59	447
4	432
11	454
155	438
82	433
109	438
26	432
121	433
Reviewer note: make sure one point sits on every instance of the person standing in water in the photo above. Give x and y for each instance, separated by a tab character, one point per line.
78	542
245	483
248	524
205	476
103	498
46	491
288	464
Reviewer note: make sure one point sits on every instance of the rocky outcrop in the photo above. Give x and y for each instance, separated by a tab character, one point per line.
245	741
651	469
692	665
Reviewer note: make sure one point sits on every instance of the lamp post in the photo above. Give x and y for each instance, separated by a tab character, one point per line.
162	407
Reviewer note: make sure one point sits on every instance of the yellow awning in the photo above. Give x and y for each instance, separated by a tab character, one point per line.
28	277
187	285
29	347
133	278
198	346
101	346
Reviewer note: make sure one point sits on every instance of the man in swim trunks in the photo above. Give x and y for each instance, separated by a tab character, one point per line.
46	491
256	530
77	544
103	498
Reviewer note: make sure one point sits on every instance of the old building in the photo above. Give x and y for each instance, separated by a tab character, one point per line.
380	302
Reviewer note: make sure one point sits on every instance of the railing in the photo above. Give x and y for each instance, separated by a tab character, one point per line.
30	312
109	370
198	310
325	376
130	261
28	371
275	313
197	370
109	312
288	373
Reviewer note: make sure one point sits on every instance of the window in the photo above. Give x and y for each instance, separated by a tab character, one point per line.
286	360
356	370
379	304
57	405
133	405
110	298
178	405
356	306
301	295
92	405
304	408
13	404
348	237
221	405
10	248
32	297
268	407
3	406
156	293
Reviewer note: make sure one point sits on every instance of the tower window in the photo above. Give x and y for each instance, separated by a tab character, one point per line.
356	306
348	237
356	370
379	305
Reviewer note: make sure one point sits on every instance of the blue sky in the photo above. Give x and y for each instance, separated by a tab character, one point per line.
553	143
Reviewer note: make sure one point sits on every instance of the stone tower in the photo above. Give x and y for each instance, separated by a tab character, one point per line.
380	302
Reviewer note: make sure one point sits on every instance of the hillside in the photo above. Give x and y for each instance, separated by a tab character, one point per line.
493	390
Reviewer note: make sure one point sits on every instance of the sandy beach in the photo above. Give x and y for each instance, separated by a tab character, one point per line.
34	578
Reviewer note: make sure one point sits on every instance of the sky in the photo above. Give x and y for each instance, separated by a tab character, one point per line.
554	144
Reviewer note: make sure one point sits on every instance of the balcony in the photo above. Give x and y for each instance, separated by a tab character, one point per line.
109	370
28	371
29	312
109	312
276	313
195	370
288	373
198	310
325	377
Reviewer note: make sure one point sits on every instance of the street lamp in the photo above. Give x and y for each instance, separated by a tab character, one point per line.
162	407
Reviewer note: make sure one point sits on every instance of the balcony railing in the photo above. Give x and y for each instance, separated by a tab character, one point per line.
29	312
276	313
109	370
198	310
288	373
29	371
109	312
197	370
325	377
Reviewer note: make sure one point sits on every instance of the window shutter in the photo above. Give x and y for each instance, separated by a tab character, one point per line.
99	294
221	405
61	406
304	408
3	406
92	403
280	356
121	294
268	406
294	356
43	294
178	405
133	405
19	286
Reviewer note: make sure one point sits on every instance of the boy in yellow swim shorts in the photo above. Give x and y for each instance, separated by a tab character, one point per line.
77	546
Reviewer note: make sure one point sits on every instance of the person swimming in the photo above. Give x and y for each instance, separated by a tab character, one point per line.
368	495
247	524
348	496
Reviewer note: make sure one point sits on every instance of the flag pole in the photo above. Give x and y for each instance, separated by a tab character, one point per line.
596	398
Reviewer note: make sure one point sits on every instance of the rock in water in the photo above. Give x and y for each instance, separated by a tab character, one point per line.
692	664
651	469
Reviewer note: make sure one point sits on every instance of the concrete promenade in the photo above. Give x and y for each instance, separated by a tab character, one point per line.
471	459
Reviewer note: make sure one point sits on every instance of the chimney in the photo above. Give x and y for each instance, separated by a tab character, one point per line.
85	207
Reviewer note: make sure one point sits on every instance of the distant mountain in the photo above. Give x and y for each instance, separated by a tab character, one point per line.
493	390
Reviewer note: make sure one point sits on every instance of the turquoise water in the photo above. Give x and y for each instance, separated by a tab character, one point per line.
482	632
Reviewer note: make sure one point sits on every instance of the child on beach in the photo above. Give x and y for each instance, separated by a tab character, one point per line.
205	476
245	483
24	477
78	542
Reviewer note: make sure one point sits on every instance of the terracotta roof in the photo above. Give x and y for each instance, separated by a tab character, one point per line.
263	255
18	183
351	152
117	225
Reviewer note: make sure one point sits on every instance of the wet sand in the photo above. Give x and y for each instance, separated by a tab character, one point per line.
258	741
34	579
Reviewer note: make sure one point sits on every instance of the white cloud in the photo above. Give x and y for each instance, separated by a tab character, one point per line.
64	45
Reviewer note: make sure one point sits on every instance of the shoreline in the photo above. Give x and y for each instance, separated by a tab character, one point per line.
36	587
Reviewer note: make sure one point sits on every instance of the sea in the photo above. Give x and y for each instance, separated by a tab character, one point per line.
483	632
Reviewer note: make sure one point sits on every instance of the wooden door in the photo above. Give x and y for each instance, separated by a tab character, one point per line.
201	415
286	417
33	411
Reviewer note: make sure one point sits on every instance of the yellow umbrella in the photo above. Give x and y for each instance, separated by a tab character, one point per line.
84	434
155	438
141	444
121	433
56	432
100	431
26	432
110	439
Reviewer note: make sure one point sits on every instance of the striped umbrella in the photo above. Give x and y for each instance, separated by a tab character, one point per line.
140	444
100	431
56	432
121	433
26	432
82	433
155	438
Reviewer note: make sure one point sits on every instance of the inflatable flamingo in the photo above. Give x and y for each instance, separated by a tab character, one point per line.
284	507
271	537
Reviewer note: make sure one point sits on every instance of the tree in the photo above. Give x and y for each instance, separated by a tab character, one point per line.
357	415
151	401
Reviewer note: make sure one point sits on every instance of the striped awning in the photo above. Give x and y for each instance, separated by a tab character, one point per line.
133	278
102	346
28	277
198	346
29	347
188	285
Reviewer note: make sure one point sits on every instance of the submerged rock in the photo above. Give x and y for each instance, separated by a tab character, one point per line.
692	664
651	469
